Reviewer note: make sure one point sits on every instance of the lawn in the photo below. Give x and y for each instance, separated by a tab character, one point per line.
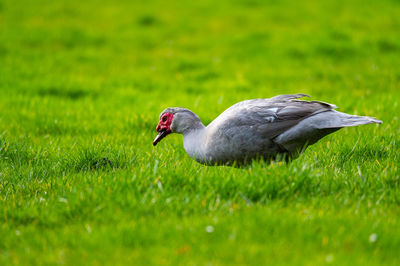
82	84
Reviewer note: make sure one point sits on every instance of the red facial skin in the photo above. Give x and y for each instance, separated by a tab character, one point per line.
165	123
164	127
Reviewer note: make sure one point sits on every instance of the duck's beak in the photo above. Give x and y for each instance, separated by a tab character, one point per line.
160	136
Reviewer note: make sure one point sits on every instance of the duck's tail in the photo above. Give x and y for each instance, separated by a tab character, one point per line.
315	127
335	119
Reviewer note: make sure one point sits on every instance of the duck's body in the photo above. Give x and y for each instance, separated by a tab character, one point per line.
267	128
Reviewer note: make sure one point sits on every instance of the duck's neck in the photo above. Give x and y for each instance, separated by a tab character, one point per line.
194	140
194	126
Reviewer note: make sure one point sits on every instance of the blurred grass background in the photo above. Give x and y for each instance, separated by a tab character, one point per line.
82	84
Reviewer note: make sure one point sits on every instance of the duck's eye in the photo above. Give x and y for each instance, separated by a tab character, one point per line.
164	118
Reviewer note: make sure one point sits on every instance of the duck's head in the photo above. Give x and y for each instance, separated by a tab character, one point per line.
175	120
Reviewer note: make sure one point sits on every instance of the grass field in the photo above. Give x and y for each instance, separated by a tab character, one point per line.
82	84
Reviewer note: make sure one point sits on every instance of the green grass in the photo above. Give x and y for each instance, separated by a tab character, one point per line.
82	84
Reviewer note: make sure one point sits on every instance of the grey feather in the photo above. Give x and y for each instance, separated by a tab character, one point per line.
270	116
260	128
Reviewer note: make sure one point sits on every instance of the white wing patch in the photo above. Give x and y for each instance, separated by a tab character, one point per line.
269	119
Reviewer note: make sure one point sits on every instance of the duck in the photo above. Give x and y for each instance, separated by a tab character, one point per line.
281	127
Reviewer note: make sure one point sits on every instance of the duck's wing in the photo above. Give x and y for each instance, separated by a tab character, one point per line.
268	117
